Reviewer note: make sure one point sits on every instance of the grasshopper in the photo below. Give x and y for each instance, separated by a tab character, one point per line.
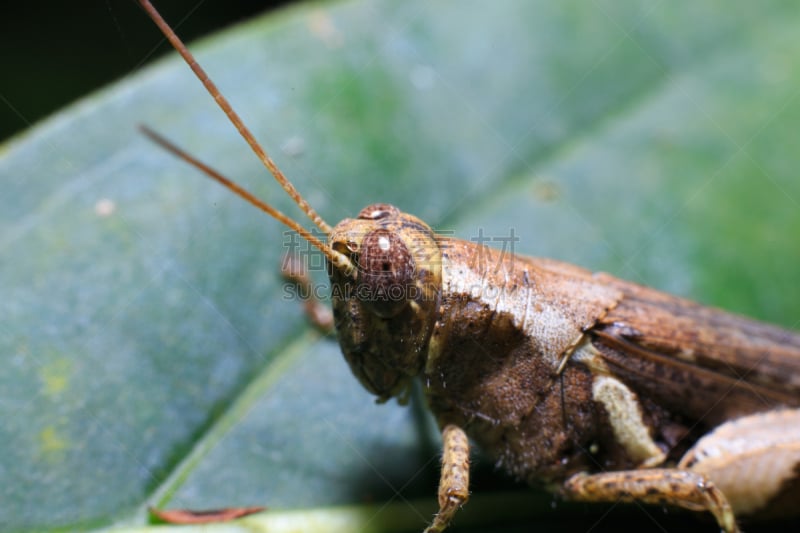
597	388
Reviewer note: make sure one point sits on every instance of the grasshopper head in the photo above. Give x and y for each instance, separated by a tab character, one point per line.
385	312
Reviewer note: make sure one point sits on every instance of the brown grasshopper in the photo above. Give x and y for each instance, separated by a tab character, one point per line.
595	387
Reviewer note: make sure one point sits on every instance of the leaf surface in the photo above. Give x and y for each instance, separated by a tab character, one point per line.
151	354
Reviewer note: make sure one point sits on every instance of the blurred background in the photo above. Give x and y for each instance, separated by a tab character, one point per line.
52	53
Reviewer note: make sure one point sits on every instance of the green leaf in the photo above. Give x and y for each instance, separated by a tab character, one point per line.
151	355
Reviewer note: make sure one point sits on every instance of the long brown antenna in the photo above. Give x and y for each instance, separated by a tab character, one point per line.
338	260
233	116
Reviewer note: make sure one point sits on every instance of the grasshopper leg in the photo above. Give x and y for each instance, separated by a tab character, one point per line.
294	271
454	480
754	460
681	488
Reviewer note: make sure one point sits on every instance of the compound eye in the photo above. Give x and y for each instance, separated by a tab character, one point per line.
385	274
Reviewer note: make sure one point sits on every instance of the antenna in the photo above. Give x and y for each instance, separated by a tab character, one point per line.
338	260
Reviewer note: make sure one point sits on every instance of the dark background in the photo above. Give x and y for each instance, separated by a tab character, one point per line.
54	52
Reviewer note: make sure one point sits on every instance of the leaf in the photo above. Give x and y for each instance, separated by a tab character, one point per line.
152	357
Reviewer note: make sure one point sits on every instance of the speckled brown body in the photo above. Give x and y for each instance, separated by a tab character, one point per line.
505	322
556	371
502	327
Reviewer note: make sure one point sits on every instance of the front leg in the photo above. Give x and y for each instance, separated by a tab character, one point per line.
295	272
454	480
669	486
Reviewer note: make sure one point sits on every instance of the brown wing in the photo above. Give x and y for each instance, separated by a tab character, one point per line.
701	362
